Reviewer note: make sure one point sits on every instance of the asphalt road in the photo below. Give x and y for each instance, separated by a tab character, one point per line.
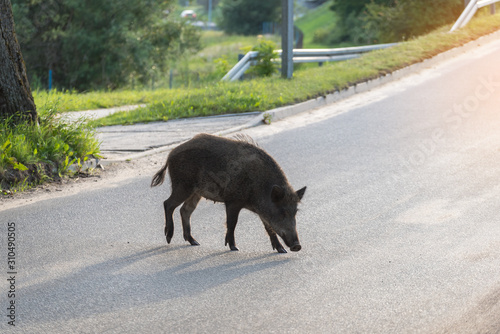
400	230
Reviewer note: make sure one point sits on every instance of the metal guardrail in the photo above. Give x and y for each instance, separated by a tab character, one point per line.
469	12
305	56
240	68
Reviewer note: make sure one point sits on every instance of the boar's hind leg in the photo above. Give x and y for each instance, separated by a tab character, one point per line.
186	211
179	195
232	212
274	240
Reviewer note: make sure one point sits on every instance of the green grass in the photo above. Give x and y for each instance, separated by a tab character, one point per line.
30	153
217	44
266	93
73	101
319	19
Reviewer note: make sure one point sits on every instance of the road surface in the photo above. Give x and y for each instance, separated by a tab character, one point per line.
400	230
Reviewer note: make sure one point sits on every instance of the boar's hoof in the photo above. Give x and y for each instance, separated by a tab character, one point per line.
281	250
295	248
233	248
169	239
193	242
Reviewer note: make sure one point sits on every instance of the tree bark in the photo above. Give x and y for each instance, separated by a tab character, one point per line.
15	92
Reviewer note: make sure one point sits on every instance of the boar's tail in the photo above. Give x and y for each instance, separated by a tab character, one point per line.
159	177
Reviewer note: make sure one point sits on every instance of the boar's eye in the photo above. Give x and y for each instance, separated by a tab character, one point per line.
288	212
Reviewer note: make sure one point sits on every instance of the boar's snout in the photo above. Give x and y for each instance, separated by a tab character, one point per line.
292	242
296	247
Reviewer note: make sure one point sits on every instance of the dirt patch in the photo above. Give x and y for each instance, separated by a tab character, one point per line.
35	174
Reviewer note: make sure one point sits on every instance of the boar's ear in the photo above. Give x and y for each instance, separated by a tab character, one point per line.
301	192
277	193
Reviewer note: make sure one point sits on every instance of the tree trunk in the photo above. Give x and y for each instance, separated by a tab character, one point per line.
15	92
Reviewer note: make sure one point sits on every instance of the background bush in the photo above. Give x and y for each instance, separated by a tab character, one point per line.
404	19
378	21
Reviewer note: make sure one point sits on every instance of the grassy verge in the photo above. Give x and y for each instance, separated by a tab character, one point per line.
267	93
31	154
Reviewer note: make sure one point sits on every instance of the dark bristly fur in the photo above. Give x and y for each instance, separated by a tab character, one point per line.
238	173
246	139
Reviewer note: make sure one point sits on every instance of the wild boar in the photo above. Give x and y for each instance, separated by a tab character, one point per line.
238	173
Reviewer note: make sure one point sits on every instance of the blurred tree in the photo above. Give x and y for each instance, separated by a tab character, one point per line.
350	27
205	3
346	7
403	19
371	21
100	44
15	93
245	17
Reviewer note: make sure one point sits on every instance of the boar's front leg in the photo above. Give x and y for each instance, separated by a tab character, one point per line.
232	212
186	211
274	239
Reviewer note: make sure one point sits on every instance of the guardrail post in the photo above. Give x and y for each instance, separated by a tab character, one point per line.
287	39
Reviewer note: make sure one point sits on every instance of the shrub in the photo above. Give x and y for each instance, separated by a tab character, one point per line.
265	66
30	153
